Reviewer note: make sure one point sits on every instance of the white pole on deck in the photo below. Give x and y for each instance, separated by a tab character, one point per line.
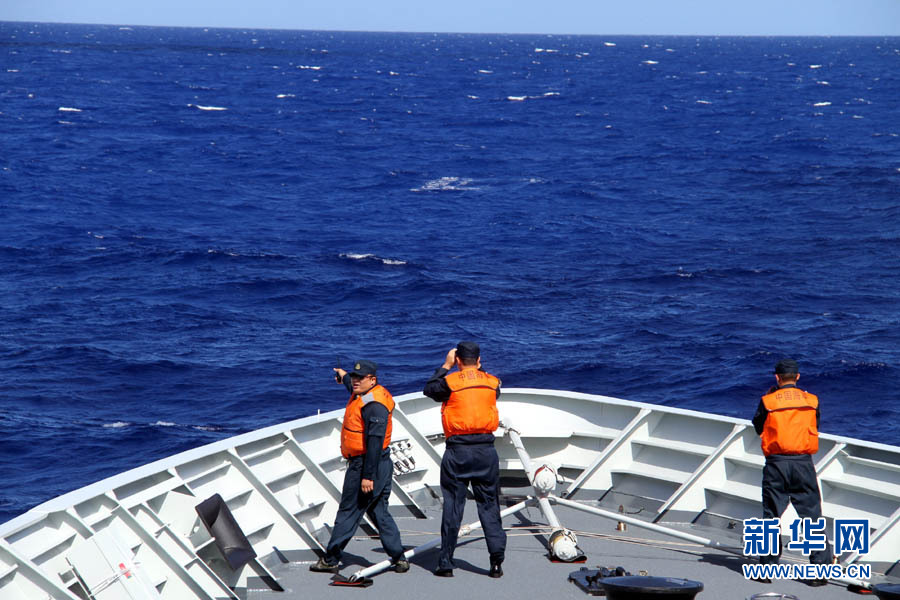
464	530
543	503
563	543
644	524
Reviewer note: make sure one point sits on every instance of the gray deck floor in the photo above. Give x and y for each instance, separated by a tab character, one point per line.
527	571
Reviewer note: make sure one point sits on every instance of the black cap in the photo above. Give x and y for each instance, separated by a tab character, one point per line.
362	368
467	350
786	366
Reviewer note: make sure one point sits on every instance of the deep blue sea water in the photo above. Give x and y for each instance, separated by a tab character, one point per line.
196	225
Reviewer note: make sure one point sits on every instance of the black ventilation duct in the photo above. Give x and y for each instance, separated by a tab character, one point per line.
220	523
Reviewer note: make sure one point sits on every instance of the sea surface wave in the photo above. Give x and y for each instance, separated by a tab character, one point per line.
197	225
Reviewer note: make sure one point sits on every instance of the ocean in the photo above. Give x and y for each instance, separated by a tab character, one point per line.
197	225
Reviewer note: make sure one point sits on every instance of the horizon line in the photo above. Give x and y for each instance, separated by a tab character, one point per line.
424	32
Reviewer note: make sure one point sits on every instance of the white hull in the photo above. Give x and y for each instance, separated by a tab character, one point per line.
282	484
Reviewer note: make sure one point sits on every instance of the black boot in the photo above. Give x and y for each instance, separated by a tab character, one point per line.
401	565
321	566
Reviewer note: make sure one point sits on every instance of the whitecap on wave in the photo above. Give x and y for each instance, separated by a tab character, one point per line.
68	109
201	107
524	98
822	104
164	424
116	425
446	184
384	261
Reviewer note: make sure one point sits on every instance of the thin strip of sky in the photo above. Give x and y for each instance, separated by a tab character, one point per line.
602	17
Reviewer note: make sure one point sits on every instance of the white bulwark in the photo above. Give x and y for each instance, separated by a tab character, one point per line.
138	536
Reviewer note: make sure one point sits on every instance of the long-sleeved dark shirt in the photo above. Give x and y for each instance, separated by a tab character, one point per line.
759	419
437	389
375	418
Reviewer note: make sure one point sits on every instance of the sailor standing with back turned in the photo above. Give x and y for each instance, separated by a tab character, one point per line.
469	417
787	420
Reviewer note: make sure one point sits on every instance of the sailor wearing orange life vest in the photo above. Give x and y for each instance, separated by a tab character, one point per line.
469	417
787	419
365	437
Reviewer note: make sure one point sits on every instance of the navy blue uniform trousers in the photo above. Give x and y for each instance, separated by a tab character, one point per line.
792	479
478	465
354	504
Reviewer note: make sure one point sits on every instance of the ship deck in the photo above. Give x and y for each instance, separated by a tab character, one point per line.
281	485
528	572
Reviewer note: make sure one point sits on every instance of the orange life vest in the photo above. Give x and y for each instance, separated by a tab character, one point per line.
472	406
790	426
353	442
